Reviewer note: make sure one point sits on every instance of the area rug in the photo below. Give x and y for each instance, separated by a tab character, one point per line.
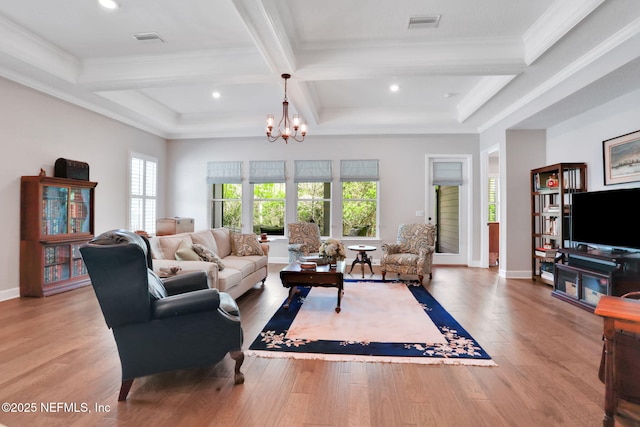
391	322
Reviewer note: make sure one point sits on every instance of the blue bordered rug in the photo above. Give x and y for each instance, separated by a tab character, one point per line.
456	347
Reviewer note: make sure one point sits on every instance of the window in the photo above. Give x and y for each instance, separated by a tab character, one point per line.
359	197
313	190
493	200
142	193
269	194
226	194
226	206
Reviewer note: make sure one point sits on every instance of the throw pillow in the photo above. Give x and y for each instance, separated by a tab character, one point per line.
186	253
207	255
246	244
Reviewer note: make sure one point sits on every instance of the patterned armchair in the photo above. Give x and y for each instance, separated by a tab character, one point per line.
413	252
304	239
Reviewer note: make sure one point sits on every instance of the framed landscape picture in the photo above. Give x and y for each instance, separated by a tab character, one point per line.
621	157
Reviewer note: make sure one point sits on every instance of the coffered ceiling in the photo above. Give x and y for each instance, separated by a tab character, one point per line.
525	63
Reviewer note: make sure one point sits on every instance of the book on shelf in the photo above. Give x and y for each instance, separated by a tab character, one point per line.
546	275
546	252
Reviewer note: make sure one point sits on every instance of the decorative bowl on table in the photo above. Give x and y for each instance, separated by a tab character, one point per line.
308	265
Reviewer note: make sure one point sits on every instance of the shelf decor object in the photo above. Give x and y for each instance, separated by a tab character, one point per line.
551	190
621	157
56	218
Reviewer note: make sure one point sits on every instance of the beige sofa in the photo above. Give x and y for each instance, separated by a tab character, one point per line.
240	273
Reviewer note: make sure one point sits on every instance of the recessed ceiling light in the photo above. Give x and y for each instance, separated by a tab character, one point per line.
394	88
108	4
450	95
215	94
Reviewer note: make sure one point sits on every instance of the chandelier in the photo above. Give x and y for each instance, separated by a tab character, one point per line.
286	125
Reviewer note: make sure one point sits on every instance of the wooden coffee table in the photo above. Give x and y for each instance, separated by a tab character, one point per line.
323	276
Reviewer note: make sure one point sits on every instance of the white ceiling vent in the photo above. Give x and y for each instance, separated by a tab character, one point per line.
148	37
429	21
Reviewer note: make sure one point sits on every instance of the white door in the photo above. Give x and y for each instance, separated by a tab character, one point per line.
448	204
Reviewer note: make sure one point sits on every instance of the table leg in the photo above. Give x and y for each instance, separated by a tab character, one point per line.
355	261
340	292
292	291
609	394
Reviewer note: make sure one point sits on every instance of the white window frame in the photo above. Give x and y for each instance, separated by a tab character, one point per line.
213	200
148	195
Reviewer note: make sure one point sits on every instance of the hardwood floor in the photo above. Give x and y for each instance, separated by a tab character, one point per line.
57	351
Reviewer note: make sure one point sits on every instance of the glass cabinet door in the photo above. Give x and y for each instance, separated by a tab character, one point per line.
593	287
54	210
78	267
56	263
567	281
79	210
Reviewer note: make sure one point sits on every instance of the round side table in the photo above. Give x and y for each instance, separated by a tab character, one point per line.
362	258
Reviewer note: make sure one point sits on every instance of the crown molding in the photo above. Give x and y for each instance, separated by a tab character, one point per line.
24	46
554	23
629	36
480	94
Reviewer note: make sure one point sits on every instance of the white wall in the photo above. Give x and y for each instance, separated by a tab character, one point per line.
580	139
402	172
36	130
524	150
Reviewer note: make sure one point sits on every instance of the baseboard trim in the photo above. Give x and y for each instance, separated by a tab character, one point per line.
9	294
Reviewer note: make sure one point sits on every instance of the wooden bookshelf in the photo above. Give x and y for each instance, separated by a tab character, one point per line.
56	218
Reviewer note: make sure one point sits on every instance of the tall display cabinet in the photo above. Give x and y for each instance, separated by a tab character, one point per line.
551	190
56	218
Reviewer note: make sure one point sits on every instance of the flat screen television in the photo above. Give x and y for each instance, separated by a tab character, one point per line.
606	219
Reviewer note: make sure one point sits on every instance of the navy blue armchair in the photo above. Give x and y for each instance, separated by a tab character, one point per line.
159	325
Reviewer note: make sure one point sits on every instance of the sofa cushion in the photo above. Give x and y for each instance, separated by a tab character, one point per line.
206	239
170	244
206	255
246	244
156	250
245	265
186	253
228	278
223	241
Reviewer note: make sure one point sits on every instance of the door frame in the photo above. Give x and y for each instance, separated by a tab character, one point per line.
464	255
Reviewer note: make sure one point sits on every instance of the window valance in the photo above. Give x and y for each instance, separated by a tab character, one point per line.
266	171
446	173
224	172
312	171
359	170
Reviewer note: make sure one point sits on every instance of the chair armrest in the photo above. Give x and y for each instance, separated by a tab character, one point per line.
427	250
296	247
186	282
191	302
391	248
265	248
